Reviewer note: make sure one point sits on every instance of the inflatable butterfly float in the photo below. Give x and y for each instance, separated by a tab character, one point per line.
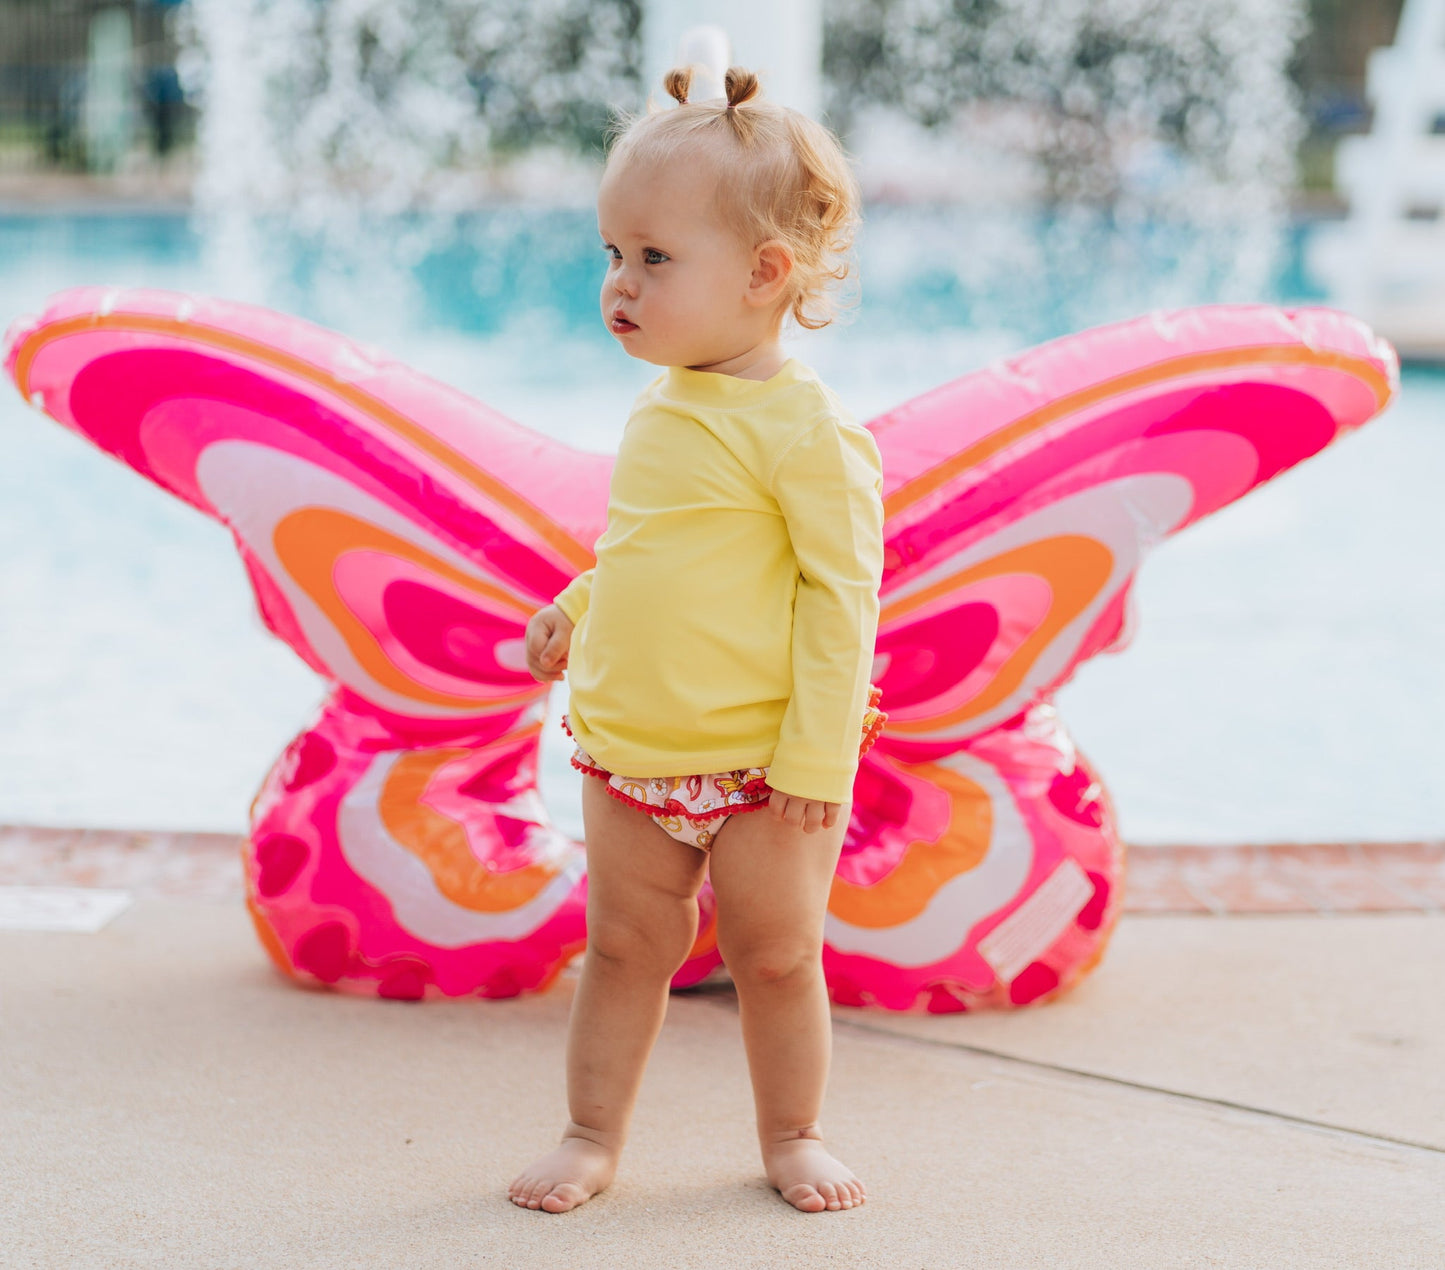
398	534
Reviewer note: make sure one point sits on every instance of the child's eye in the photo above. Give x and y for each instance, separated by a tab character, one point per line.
650	256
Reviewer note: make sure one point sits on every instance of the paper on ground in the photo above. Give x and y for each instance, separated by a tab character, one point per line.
59	908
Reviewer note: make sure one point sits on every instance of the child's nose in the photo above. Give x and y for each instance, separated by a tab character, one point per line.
624	282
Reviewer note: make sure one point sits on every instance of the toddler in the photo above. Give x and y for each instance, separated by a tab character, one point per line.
718	654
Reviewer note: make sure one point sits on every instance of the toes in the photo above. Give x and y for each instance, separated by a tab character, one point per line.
563	1196
805	1198
829	1192
526	1193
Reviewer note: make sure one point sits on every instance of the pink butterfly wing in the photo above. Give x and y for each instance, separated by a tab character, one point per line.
983	864
398	535
1022	499
397	532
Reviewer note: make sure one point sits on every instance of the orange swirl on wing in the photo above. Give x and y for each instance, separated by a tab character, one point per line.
441	844
577	555
903	893
1074	566
1176	367
270	941
308	542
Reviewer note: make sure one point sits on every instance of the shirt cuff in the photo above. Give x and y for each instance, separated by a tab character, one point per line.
823	785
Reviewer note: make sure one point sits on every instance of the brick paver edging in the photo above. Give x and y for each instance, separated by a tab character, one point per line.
1319	878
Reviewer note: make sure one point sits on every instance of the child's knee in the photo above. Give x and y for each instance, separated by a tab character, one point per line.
769	963
657	948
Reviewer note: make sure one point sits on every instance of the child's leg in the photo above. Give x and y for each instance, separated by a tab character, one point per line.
772	883
641	922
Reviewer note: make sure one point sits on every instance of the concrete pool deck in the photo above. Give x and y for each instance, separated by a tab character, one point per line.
1253	1088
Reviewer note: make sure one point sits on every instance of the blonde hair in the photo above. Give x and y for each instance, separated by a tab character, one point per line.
781	176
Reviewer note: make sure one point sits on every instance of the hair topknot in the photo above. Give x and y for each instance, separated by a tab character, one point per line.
677	82
741	86
780	176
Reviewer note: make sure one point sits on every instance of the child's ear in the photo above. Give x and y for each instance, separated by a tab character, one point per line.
772	268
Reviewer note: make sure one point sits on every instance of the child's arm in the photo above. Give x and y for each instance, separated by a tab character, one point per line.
828	486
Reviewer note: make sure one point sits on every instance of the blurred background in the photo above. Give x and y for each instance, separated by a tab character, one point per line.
61	115
420	174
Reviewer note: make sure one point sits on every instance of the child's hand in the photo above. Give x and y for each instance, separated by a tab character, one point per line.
549	636
805	813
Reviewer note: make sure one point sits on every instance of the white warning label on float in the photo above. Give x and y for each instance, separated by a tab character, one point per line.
1026	932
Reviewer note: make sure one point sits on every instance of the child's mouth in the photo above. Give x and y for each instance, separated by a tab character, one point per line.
620	325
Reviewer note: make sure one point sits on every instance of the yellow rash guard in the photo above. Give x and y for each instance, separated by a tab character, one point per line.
730	619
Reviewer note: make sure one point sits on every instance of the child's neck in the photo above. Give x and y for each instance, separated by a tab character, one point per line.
762	361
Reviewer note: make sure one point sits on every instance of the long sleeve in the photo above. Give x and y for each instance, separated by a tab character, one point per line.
828	486
575	596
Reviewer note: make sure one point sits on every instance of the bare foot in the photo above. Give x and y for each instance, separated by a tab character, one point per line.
566	1177
809	1178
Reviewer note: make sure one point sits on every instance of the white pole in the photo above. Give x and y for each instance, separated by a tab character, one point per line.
780	40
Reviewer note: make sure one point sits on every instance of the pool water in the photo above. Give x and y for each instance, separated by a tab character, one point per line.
1285	682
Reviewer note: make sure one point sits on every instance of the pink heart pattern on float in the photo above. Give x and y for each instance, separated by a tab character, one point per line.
398	534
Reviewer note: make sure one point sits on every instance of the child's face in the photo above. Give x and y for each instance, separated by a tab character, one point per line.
681	287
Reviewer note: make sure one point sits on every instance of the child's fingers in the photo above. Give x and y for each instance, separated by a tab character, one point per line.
822	815
789	810
537	665
786	809
554	652
807	814
546	644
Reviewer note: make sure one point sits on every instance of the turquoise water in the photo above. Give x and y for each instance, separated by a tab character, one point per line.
1285	681
489	269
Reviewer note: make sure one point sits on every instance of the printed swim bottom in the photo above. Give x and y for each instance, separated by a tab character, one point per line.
690	809
693	809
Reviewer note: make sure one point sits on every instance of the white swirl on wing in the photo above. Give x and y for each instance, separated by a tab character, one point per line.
944	925
254	487
1127	516
418	904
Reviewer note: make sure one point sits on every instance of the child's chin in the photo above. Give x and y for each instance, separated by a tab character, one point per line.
648	351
